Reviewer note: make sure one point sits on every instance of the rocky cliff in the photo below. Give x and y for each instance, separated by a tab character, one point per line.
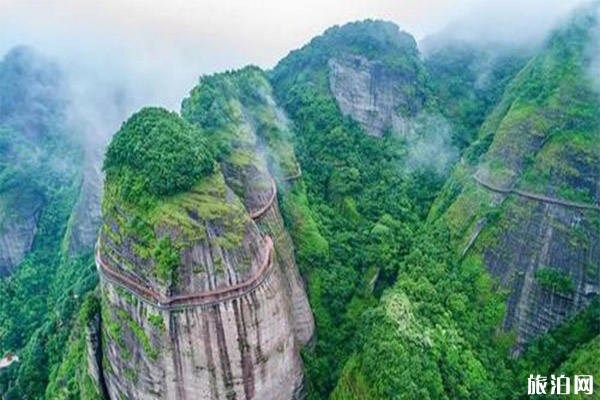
370	94
524	199
86	217
371	68
257	159
16	237
43	154
194	300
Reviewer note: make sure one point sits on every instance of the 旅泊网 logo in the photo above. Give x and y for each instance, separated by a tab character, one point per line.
582	384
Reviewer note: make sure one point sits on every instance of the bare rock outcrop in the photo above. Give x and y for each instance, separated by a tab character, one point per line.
17	232
552	238
371	94
86	216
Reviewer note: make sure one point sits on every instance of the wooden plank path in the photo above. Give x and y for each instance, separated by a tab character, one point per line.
158	300
260	212
535	196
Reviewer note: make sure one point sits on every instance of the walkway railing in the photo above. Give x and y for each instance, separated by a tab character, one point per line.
259	213
156	299
537	197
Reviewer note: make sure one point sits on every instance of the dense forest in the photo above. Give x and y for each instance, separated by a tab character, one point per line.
447	237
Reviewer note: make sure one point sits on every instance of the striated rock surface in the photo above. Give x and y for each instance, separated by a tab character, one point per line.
261	152
553	238
524	200
371	68
370	94
194	301
86	216
17	230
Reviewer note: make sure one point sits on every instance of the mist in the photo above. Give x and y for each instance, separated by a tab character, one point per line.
428	142
121	55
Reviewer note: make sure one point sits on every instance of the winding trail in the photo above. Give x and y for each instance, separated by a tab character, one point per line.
537	197
259	213
156	299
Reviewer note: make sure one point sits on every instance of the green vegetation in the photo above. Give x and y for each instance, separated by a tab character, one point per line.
402	309
468	81
167	260
434	332
183	214
571	348
375	40
554	280
157	321
365	208
434	335
71	380
163	187
238	114
156	153
312	246
236	110
139	333
40	177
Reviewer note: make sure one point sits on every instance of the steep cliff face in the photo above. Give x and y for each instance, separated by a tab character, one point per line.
371	68
369	93
524	200
86	217
257	158
510	248
194	301
17	234
42	283
343	91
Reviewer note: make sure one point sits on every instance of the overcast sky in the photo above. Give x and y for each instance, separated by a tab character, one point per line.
161	47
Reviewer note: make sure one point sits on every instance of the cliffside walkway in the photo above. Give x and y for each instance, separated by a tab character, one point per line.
537	197
294	176
260	212
156	299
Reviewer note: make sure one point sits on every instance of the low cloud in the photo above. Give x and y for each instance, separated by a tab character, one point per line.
122	55
429	144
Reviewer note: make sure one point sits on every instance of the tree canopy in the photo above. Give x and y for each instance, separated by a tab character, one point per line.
156	153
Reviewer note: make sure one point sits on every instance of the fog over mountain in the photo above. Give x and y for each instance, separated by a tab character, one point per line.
152	52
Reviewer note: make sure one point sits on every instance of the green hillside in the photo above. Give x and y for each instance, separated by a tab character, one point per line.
435	334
